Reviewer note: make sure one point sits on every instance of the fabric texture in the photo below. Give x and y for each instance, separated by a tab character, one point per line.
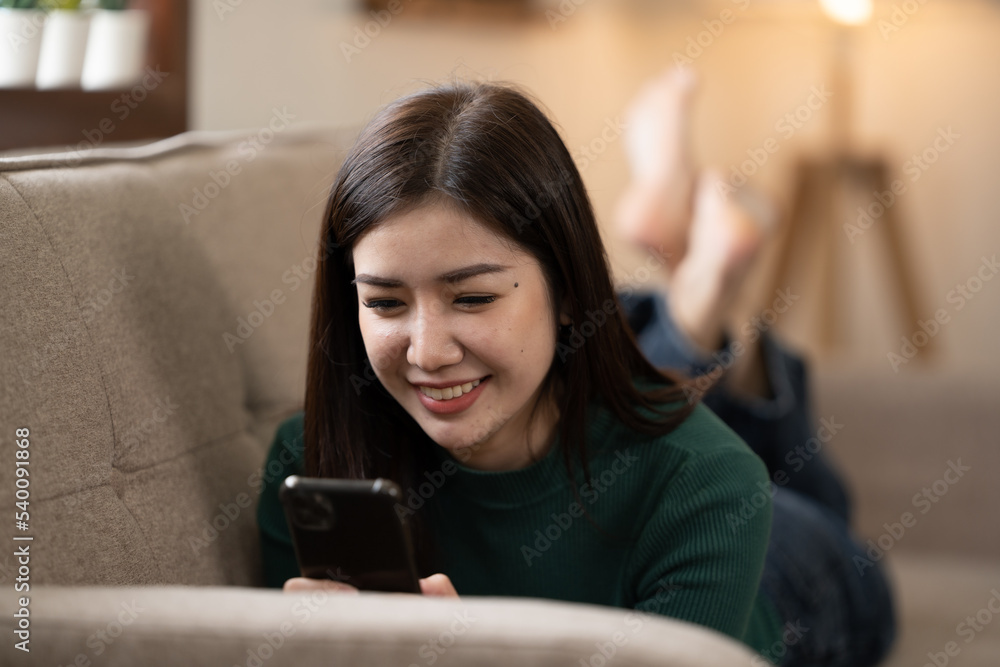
145	420
213	626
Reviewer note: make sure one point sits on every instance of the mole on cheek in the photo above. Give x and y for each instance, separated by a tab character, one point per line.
515	284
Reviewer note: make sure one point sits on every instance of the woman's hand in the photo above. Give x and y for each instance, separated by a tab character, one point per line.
436	585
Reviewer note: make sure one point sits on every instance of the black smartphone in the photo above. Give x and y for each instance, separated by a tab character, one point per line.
348	530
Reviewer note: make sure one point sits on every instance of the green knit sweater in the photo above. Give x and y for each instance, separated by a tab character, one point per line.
667	503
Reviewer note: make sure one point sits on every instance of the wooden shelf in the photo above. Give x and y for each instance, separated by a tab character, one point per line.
82	119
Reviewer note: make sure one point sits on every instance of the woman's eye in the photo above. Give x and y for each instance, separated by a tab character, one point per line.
475	300
382	304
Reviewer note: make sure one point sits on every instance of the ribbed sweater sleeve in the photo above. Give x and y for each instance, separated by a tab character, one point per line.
691	560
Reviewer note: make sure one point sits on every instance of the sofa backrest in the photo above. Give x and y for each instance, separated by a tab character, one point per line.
155	306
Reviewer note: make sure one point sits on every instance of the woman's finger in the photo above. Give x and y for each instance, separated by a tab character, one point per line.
438	585
296	584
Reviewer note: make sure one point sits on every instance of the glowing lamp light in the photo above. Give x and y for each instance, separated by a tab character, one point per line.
849	12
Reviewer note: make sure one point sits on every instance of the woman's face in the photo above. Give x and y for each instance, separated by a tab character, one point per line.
459	328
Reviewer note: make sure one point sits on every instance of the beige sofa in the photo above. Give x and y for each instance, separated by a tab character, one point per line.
155	308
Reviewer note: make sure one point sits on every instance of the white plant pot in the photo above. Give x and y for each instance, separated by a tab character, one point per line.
116	49
64	44
20	39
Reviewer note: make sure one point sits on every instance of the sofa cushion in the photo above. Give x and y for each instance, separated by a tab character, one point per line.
154	626
147	421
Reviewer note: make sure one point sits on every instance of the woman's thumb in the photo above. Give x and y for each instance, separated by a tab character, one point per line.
438	585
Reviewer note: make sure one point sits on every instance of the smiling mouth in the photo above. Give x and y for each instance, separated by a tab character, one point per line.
448	393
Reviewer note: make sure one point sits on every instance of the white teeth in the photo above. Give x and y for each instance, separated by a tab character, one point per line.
449	393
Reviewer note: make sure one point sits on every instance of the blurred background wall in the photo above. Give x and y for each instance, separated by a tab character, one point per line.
919	68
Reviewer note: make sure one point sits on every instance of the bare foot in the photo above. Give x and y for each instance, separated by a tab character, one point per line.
724	238
656	209
710	240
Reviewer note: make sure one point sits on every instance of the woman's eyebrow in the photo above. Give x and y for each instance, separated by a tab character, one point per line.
455	276
376	281
459	275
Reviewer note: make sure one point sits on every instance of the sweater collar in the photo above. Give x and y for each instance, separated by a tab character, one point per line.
504	488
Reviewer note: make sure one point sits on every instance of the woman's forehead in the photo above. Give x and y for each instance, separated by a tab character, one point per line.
435	233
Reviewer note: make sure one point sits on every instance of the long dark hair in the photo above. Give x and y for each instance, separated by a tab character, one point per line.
489	150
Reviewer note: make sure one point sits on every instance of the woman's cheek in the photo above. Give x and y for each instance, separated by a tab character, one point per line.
385	346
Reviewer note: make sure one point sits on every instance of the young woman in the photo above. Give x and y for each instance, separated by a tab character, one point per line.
467	342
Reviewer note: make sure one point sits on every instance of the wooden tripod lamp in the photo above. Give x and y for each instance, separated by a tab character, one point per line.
825	188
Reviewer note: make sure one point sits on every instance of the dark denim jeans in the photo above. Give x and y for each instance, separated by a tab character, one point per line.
843	611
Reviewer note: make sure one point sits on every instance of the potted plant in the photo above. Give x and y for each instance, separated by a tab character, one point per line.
21	24
116	47
64	43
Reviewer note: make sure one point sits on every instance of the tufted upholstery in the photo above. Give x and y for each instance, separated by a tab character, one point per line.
147	421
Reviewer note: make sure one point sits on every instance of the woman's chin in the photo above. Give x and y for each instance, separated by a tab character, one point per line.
461	449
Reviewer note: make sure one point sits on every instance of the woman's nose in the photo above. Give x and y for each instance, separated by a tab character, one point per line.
432	342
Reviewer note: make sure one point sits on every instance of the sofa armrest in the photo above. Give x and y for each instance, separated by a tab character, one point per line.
224	626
